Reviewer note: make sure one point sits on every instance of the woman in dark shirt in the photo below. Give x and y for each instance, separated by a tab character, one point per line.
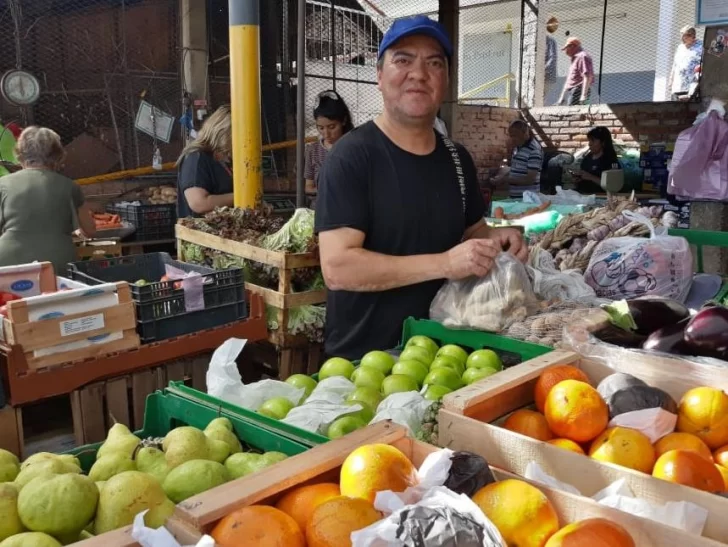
333	121
204	175
601	157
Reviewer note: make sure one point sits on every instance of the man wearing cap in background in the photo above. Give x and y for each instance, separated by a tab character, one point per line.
399	207
580	76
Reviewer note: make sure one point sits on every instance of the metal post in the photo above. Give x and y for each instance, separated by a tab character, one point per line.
332	43
301	105
601	52
245	101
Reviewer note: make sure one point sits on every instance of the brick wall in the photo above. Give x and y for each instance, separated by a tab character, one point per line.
632	124
483	130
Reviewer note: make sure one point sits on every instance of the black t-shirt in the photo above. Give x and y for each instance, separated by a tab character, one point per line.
201	170
595	166
406	205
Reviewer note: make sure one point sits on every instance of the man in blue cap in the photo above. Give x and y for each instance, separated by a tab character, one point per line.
399	208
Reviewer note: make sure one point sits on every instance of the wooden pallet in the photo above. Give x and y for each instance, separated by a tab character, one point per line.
26	385
470	418
96	407
199	514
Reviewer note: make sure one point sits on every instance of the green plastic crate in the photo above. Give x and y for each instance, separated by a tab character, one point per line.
164	411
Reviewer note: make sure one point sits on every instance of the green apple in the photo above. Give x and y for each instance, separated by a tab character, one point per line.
474	374
435	393
416	353
456	352
344	425
484	358
448	362
336	366
415	369
366	395
380	360
276	408
444	377
398	383
302	381
366	376
366	413
424	342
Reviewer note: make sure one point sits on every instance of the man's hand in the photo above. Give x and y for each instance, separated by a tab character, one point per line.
511	240
472	257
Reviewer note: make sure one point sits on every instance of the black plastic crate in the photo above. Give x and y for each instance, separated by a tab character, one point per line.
160	306
153	222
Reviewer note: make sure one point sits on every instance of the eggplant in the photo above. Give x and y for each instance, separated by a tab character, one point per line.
670	339
707	332
647	314
619	337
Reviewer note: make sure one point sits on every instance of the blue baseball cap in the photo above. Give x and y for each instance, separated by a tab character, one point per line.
411	26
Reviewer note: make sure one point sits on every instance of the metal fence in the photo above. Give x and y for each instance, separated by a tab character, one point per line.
98	63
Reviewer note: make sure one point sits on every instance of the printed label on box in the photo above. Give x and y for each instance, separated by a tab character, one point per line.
82	324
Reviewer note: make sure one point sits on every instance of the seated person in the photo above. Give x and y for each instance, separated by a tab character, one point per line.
526	162
601	157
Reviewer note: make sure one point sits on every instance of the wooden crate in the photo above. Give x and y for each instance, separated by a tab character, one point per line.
274	361
98	249
96	407
322	463
468	417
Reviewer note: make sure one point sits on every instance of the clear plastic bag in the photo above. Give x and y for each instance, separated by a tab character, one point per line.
491	303
629	267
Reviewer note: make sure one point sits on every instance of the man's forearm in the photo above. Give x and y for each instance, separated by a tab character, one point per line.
220	200
586	84
366	271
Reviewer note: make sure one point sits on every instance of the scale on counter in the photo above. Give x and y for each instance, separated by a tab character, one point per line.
280	205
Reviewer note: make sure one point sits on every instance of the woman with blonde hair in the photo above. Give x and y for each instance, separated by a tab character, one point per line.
204	172
39	207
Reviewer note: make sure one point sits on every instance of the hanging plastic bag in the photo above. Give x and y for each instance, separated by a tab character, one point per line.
491	303
629	267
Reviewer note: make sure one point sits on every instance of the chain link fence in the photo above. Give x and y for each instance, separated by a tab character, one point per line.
98	63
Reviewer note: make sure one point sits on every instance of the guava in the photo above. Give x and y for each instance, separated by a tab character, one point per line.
10	523
192	478
30	539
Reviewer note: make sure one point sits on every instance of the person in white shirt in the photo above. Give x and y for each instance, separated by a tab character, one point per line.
687	58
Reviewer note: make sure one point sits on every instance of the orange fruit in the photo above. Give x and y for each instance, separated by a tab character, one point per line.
723	473
703	411
522	513
594	532
567	444
720	456
552	376
682	441
625	447
690	469
333	521
575	410
300	502
258	525
529	423
375	467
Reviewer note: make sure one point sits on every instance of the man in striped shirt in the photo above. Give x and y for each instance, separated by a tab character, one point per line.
526	163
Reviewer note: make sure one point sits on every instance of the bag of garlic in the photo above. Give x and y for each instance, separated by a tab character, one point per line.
491	303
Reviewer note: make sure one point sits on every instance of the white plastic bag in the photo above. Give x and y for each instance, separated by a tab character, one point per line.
406	409
332	390
317	416
628	267
160	537
491	303
655	423
550	283
441	517
224	380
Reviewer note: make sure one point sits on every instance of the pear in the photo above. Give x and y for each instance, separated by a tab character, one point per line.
60	505
271	458
10	523
85	534
218	450
193	477
30	539
69	461
158	515
109	465
220	433
220	422
183	444
9	466
100	485
44	467
152	461
119	440
124	496
244	463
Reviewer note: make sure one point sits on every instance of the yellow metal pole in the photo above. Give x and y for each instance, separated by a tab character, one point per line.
244	21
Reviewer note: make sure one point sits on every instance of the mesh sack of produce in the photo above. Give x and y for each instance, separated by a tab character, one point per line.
490	303
546	327
628	267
